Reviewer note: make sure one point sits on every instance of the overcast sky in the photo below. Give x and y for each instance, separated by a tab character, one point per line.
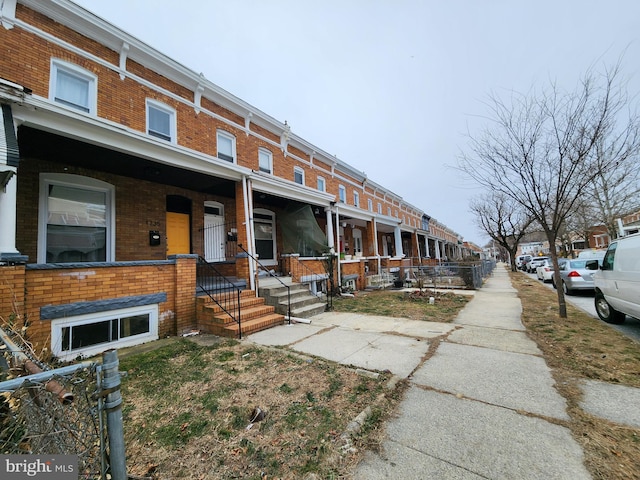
389	86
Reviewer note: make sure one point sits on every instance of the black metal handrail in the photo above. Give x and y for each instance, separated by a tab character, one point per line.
225	233
220	289
271	274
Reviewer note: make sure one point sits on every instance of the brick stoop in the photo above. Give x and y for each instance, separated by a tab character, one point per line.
254	315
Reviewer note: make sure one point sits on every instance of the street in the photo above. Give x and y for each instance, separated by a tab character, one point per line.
584	301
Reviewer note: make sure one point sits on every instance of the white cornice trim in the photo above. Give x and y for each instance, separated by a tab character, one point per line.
263	182
96	131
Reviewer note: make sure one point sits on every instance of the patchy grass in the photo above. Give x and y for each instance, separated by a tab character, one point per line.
581	347
397	303
187	409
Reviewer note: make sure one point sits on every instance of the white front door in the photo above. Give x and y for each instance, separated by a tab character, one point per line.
214	238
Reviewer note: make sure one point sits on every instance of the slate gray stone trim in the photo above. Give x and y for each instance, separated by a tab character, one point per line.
52	312
56	266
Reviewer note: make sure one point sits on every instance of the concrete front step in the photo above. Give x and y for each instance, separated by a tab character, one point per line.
301	301
212	308
308	311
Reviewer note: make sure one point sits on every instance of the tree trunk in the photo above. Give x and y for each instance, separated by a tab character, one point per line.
562	303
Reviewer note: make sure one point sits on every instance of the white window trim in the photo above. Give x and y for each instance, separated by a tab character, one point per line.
92	101
342	194
324	184
76	181
222	133
58	324
172	119
264	151
379	208
356	199
370	204
301	172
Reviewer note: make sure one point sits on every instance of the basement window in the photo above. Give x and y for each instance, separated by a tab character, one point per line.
88	335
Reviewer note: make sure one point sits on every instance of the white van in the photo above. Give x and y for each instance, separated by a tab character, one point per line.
617	282
522	260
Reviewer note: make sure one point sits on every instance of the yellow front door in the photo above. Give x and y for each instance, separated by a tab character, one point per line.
178	238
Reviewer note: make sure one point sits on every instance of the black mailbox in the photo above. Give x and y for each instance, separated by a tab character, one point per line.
154	238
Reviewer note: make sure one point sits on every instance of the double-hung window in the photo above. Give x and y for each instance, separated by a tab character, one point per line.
370	204
73	86
342	194
298	175
356	199
76	219
322	186
226	146
161	121
379	208
265	160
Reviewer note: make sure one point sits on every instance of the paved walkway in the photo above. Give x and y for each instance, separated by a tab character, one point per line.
483	406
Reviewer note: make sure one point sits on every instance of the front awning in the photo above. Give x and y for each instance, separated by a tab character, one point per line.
9	154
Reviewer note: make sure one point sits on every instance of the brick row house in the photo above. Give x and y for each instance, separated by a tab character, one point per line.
123	173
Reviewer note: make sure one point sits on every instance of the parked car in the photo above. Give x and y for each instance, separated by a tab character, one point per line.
535	263
522	260
545	271
574	275
617	282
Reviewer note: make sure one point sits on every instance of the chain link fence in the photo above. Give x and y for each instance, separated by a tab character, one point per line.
62	411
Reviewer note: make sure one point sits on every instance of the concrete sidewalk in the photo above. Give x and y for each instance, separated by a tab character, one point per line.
483	406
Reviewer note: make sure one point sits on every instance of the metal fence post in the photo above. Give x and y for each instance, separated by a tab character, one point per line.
113	406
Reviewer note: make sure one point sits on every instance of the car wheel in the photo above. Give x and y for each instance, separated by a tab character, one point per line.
606	312
566	290
553	282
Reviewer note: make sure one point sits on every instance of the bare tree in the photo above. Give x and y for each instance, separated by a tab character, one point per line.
541	150
503	220
615	195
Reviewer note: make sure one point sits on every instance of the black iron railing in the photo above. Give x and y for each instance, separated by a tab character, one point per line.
273	275
220	241
221	290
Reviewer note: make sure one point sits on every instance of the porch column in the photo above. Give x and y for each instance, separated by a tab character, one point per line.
427	254
397	235
437	247
375	244
9	158
418	248
330	236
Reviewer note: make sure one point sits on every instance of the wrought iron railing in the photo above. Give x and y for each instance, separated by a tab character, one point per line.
221	290
269	272
220	241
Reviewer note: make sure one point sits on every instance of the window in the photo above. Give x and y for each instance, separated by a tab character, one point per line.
389	211
161	121
607	262
370	204
76	219
73	86
342	194
298	175
87	335
265	160
226	146
321	184
356	199
379	208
